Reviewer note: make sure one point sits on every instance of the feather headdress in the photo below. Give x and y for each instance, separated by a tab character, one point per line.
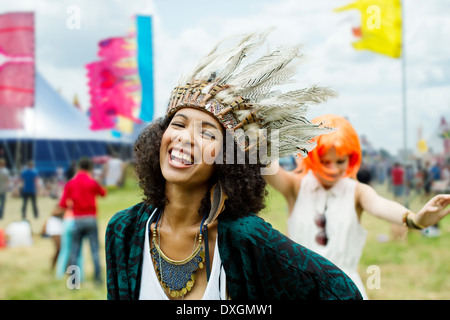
241	98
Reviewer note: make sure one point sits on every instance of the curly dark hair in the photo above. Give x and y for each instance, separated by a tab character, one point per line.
242	183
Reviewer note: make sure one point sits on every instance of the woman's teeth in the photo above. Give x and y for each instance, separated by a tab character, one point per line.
182	157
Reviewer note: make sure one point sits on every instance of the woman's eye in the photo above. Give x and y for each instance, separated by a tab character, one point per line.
177	124
208	135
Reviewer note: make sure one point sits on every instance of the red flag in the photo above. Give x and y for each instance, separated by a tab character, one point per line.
16	67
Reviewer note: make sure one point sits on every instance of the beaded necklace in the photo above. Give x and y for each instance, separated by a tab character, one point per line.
177	276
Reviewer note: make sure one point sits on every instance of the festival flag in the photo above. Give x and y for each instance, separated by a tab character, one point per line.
381	26
16	67
145	62
444	129
113	83
121	82
422	146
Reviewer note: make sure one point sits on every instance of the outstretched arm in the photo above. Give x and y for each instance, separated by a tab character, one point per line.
431	213
371	202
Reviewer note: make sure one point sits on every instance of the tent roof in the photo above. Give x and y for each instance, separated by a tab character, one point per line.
54	118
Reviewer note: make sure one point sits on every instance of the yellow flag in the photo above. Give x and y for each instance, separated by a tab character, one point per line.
422	146
381	26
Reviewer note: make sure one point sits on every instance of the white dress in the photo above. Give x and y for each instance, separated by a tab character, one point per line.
346	236
151	288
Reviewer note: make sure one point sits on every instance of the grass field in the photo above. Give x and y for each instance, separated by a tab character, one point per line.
414	268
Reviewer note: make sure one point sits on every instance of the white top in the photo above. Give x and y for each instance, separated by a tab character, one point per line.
151	288
113	172
54	226
346	236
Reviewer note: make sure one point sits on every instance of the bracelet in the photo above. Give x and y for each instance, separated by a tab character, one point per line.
410	223
405	216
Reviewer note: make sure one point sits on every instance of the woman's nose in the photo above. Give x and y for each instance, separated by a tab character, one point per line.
184	136
333	167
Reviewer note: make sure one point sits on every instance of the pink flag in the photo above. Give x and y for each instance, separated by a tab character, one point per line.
111	84
114	49
16	67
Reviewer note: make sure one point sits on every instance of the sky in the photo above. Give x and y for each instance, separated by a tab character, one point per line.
369	85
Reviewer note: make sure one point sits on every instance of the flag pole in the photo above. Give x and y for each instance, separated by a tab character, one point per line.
404	106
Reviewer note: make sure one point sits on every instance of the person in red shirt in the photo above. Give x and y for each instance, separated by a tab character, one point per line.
397	180
80	195
397	175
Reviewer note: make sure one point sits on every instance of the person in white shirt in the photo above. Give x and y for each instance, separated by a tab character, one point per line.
326	201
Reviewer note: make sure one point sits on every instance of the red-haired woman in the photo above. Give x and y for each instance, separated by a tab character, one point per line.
325	200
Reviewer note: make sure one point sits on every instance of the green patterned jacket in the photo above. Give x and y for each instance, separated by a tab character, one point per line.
260	263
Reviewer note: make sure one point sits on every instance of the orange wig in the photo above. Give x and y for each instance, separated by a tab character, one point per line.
345	140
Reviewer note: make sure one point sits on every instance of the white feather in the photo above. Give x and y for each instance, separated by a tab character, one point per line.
283	115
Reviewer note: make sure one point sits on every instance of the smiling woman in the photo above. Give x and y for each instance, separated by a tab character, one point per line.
196	234
185	142
225	170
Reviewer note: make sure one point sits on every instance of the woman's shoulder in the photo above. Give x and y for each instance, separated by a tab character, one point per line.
283	261
127	218
248	231
244	227
254	229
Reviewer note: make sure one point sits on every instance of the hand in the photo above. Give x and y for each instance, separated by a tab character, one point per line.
433	211
58	211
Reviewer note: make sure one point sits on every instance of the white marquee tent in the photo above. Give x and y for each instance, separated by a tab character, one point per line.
56	132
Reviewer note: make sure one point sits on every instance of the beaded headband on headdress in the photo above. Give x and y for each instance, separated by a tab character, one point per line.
240	97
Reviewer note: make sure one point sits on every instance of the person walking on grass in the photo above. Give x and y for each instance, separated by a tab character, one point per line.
79	195
29	179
